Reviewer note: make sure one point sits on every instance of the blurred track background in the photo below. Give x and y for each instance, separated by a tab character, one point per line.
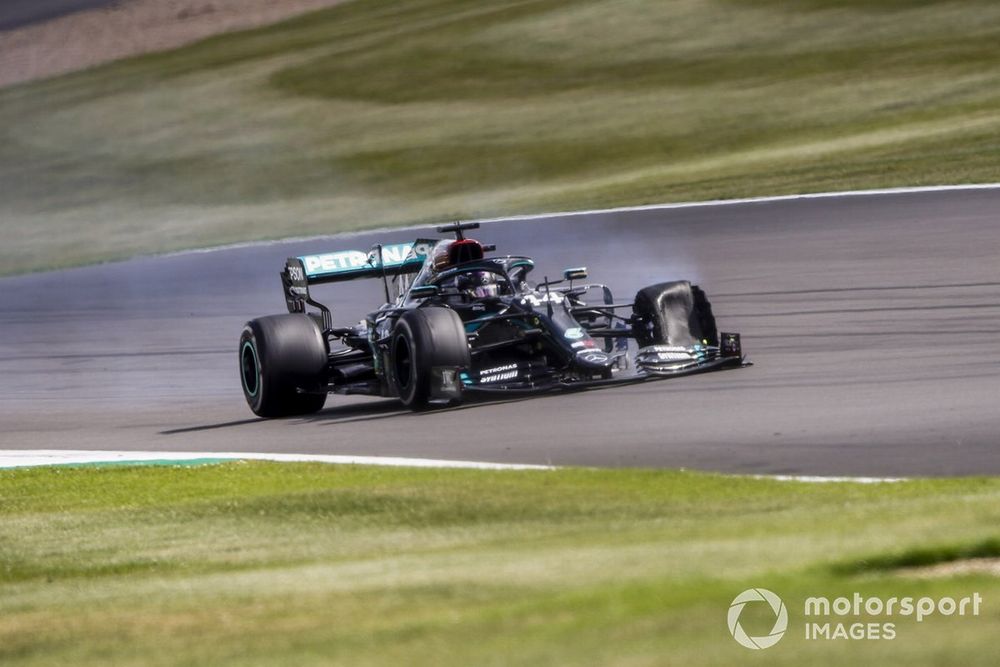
383	112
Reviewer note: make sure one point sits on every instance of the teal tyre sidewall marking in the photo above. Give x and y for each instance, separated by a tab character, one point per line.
256	369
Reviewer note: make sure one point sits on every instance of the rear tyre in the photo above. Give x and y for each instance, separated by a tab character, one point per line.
424	339
282	365
675	313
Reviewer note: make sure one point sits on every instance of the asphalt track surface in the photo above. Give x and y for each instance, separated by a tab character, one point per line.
873	322
18	13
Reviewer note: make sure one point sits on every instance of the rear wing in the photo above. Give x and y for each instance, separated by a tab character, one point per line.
381	261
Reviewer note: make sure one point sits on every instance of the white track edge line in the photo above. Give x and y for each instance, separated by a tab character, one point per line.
48	457
43	457
817	479
567	214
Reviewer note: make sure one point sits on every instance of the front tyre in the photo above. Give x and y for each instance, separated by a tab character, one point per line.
282	365
674	313
428	347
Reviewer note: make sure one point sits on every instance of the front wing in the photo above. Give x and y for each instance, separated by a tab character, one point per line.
657	362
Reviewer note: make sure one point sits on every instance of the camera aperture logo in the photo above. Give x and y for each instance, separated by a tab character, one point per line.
780	620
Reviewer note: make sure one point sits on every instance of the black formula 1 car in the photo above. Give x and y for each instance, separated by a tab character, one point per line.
456	322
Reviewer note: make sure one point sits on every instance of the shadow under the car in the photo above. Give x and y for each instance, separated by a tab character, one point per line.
209	427
390	408
378	409
339	413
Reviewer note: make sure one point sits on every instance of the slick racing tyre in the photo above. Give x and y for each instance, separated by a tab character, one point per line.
674	313
282	363
425	339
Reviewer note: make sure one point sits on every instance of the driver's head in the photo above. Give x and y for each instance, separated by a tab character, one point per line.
482	284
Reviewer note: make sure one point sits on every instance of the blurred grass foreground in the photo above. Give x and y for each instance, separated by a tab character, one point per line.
312	564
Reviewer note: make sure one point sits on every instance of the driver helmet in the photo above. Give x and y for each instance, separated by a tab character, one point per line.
482	284
451	253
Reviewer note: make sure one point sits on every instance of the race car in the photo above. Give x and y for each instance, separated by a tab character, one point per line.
456	323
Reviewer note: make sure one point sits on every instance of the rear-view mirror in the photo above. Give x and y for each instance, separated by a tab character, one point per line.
424	291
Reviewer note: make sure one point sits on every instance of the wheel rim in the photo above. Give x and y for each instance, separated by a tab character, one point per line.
402	362
249	369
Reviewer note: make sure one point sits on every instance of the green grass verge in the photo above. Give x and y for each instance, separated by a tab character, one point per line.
258	563
399	111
